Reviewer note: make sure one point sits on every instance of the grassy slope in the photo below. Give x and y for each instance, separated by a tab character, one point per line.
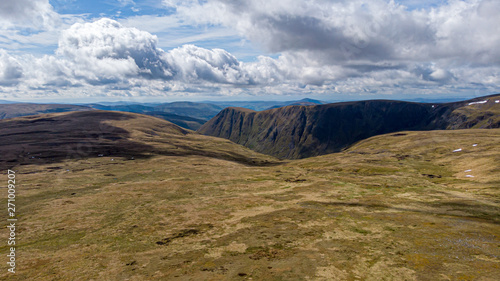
392	207
54	137
477	116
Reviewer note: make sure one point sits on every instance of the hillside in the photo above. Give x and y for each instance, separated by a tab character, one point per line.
303	131
24	109
483	113
55	137
400	206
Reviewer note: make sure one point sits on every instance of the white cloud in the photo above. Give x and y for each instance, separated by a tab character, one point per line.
322	47
10	69
342	31
105	51
126	2
37	14
195	64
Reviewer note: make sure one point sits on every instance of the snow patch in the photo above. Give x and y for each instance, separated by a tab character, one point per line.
469	176
457	150
466	171
474	145
478	102
497	101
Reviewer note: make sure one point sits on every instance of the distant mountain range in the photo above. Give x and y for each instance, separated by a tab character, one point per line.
287	129
189	115
263	105
182	114
7	102
303	131
11	110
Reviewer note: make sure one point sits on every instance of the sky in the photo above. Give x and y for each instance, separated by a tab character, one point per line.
166	50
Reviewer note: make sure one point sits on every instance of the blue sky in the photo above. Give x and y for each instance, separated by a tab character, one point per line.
255	49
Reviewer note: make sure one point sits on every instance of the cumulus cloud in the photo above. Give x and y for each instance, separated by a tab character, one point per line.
37	14
105	51
10	69
344	30
320	46
362	43
194	64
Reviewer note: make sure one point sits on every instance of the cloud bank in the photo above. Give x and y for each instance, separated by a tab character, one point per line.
27	14
321	47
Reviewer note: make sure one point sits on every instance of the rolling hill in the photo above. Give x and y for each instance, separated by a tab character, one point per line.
122	196
303	131
55	137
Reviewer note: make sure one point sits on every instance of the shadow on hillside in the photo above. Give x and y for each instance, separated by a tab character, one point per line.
81	135
77	135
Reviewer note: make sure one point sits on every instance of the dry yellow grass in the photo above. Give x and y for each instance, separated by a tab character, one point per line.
393	207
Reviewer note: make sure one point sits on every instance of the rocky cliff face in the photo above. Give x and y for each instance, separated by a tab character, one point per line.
482	113
294	132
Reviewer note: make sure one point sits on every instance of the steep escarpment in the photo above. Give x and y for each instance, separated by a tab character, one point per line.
304	131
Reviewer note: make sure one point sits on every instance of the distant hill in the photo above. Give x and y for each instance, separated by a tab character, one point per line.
189	115
25	109
134	108
192	109
264	105
8	102
116	103
179	120
303	131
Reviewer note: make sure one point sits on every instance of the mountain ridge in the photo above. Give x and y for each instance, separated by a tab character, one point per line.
293	132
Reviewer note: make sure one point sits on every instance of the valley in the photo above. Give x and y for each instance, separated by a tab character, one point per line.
147	200
251	140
